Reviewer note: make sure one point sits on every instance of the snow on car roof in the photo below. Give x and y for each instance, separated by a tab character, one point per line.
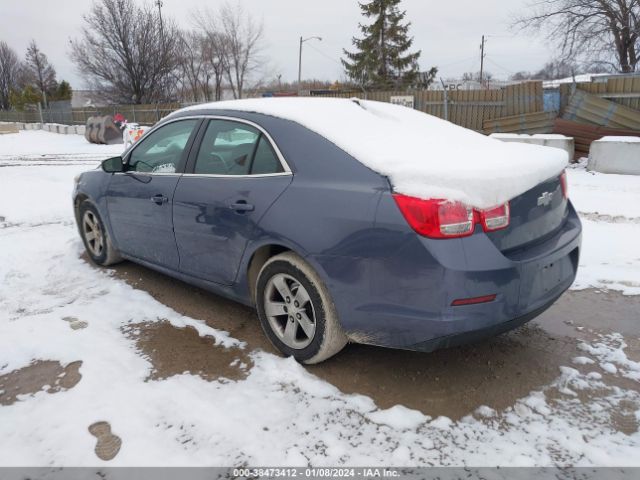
423	156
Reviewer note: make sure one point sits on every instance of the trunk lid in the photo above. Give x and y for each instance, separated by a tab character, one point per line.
535	216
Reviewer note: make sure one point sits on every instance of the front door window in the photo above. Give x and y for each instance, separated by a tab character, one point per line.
163	150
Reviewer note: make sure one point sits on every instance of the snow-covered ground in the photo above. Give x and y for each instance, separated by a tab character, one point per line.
280	414
610	209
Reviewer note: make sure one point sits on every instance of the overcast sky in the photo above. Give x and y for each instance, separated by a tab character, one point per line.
447	32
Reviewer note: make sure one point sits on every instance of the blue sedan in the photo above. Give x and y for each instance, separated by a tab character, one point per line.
274	215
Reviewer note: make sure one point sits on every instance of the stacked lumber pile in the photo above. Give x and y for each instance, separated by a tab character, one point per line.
530	123
585	134
588	118
591	109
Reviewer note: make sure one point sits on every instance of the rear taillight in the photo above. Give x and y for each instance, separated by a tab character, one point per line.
437	218
448	219
495	218
565	185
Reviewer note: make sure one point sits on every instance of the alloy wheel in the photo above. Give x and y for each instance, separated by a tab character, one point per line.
290	311
93	233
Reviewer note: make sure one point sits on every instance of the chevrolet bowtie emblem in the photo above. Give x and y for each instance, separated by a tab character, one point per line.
545	199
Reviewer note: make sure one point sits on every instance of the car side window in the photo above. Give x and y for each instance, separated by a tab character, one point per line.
226	149
162	150
265	160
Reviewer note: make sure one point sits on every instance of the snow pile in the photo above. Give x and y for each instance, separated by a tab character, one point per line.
53	186
609	206
30	143
609	350
422	155
620	139
582	78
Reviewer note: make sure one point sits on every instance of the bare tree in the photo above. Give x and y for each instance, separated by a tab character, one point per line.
9	73
39	68
214	50
193	75
127	51
607	31
243	37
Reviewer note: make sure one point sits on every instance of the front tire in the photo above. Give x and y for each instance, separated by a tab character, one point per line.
296	311
95	236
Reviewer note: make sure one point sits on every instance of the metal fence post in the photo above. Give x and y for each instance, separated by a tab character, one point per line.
446	100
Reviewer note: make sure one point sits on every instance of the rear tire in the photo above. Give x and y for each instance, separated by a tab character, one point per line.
95	236
296	311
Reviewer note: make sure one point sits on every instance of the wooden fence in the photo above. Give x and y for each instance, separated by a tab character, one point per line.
143	114
468	108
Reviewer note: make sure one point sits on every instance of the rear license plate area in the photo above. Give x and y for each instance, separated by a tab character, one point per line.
544	280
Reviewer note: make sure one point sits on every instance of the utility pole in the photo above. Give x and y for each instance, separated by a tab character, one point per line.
300	65
302	40
482	61
159	4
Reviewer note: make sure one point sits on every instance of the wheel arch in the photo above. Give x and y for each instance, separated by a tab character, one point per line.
260	254
77	201
258	258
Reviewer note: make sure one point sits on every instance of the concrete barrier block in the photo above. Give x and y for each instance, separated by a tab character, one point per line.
546	140
80	129
619	155
6	128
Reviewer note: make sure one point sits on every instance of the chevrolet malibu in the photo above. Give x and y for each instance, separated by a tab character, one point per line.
340	220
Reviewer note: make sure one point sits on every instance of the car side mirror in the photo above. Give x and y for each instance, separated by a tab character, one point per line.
113	165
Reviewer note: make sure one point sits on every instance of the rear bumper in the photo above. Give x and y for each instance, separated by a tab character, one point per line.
408	304
473	336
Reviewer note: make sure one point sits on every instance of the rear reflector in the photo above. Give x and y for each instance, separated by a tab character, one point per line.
496	218
473	301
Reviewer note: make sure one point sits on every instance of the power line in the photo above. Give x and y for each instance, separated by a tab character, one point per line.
324	54
500	66
458	62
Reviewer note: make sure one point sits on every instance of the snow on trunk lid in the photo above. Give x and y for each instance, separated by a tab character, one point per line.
535	215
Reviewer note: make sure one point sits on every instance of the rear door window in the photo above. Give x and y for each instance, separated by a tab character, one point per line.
227	148
235	148
265	160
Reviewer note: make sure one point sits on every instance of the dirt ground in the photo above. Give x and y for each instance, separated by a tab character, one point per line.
450	382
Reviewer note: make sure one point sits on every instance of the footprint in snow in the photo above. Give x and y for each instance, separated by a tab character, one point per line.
108	444
76	324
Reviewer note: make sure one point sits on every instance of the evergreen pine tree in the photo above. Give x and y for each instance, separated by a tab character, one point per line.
63	91
382	58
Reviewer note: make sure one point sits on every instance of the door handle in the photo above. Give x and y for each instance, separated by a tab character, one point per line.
241	206
159	199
